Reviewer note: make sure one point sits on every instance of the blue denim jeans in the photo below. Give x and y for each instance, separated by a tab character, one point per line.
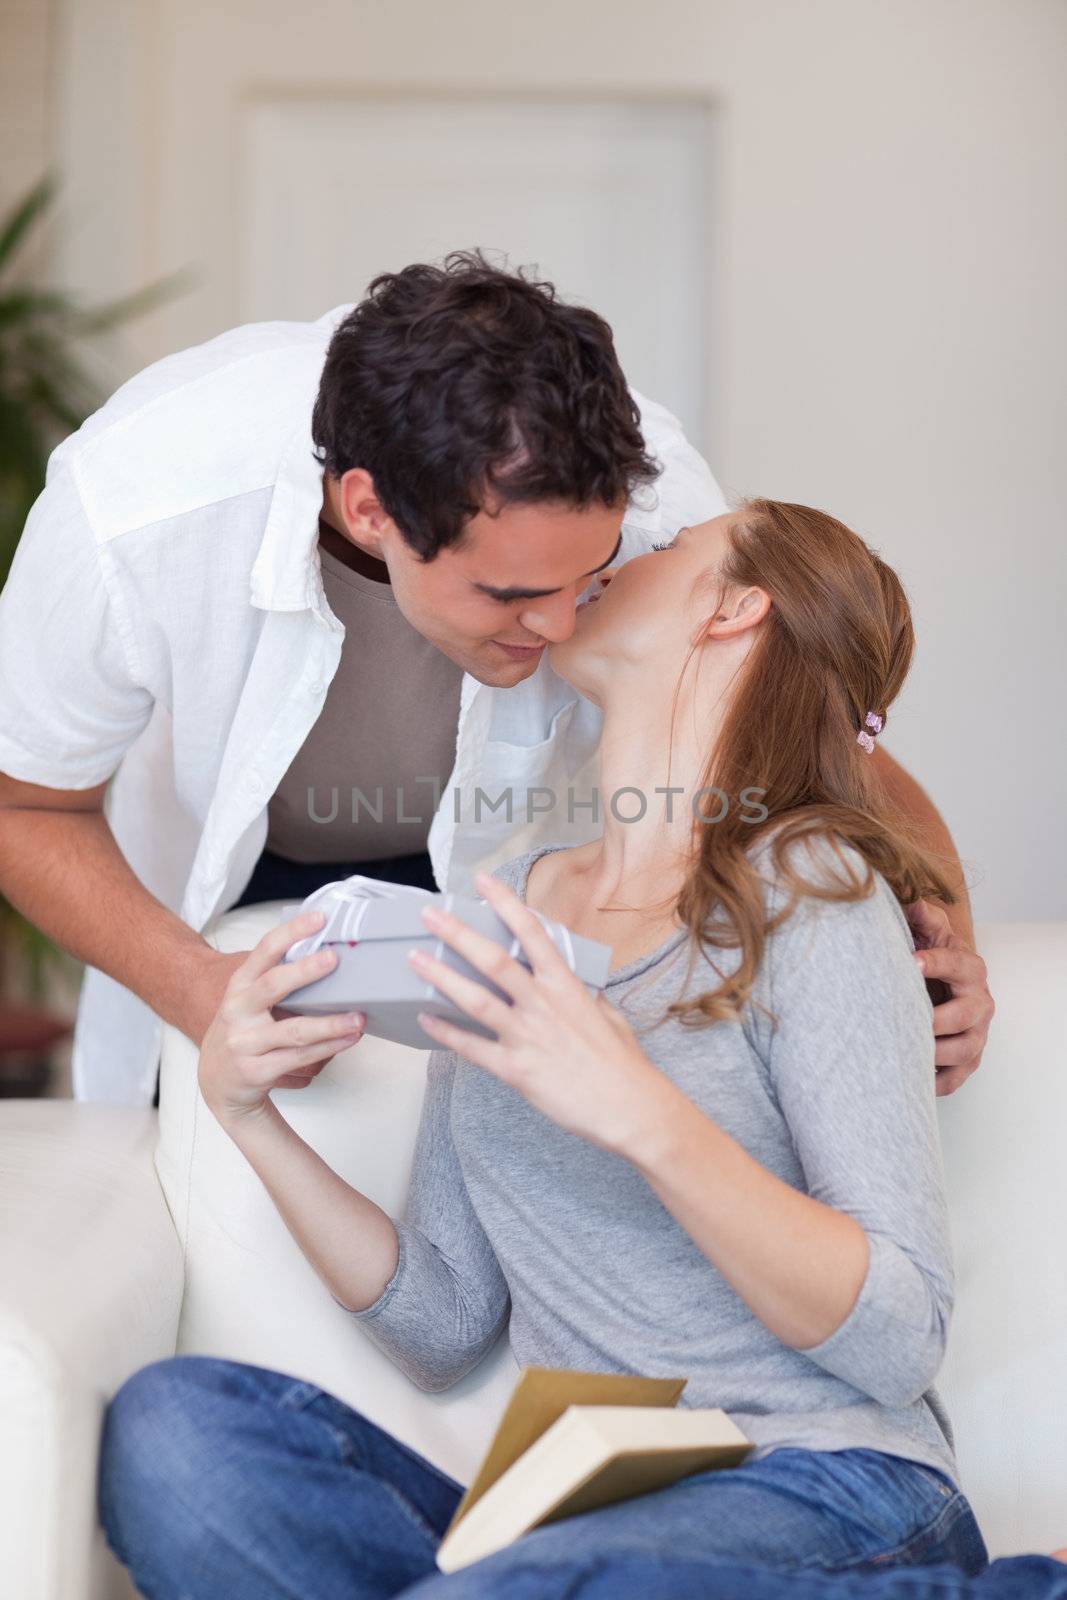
228	1481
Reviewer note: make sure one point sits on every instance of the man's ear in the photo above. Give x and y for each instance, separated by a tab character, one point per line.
365	517
735	612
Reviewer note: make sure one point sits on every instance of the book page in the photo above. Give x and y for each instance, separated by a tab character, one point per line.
541	1395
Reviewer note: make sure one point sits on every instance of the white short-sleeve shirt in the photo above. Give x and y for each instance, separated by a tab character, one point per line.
165	622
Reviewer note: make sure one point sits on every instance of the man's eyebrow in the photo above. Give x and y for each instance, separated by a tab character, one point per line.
539	594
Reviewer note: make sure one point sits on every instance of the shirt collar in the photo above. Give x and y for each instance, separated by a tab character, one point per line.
286	575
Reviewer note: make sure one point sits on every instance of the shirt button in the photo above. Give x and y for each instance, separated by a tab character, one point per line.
316	688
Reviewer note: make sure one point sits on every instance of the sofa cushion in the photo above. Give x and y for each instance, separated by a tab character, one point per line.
1004	1381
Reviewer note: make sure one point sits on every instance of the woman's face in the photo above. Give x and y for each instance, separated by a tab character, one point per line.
645	612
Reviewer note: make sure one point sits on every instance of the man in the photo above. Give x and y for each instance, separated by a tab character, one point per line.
290	591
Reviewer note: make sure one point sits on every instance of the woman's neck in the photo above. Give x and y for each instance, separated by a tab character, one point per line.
649	773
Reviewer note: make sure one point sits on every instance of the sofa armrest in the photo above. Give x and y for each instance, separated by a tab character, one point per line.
90	1290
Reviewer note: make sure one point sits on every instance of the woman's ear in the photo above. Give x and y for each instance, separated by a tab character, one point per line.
736	612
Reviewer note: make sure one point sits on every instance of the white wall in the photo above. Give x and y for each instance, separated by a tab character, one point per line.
885	288
26	30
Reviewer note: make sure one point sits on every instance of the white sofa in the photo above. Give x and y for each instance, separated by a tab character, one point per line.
114	1252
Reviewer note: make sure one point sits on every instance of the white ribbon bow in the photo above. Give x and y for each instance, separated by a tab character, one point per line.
345	903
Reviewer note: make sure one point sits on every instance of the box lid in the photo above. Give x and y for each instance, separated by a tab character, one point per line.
360	908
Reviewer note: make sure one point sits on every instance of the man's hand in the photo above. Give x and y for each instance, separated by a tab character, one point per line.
207	985
206	991
961	1022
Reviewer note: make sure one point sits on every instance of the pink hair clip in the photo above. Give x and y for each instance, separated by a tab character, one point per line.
871	720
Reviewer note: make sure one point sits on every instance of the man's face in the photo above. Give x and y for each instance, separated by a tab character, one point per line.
493	602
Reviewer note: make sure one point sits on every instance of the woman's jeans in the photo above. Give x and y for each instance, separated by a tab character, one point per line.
220	1481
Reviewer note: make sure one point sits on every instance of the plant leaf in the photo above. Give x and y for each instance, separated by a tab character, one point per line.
24	215
21	453
102	318
40	956
43	393
22	304
38	356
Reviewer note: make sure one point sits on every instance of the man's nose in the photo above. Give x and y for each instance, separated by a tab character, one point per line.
552	616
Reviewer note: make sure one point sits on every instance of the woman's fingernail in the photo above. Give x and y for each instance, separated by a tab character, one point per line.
416	957
920	962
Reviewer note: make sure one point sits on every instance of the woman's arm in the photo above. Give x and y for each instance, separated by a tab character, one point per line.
429	1287
797	1263
246	1053
448	1302
857	1273
350	1241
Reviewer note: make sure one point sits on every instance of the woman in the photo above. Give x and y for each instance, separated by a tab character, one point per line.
726	1168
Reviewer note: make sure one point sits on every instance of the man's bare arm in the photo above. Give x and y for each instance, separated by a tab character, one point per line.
917	805
945	937
61	867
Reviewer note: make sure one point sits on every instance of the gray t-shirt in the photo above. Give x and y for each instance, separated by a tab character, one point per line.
359	788
510	1221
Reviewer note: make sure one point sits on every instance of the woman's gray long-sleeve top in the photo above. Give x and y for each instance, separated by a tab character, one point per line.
510	1221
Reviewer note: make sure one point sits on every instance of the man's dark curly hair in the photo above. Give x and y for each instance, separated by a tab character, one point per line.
462	387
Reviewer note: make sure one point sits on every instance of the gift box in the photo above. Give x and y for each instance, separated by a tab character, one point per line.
372	925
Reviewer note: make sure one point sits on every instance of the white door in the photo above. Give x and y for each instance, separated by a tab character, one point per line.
604	198
213	150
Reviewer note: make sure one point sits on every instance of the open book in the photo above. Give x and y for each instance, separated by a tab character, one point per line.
572	1441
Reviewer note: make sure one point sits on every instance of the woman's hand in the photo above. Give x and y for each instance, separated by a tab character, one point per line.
573	1057
247	1050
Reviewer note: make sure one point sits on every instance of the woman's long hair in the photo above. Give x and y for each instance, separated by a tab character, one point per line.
836	643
